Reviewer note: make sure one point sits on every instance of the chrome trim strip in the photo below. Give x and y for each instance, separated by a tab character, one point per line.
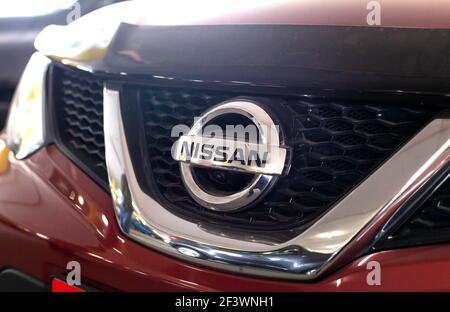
303	257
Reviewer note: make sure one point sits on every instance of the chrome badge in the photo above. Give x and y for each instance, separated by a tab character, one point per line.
231	156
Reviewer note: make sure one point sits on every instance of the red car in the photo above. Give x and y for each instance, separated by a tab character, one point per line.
222	146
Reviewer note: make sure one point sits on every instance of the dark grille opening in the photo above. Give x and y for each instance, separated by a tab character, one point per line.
336	145
6	95
78	103
429	223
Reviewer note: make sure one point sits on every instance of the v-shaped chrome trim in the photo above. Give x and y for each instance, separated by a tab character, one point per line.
338	235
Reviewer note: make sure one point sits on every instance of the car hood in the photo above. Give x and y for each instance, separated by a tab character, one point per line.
326	44
393	13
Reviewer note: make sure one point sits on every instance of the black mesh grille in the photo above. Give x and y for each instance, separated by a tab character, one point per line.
79	116
429	223
336	145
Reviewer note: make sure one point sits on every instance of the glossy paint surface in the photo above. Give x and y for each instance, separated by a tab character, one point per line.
394	13
307	46
52	213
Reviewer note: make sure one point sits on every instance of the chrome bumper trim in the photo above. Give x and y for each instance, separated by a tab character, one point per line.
304	257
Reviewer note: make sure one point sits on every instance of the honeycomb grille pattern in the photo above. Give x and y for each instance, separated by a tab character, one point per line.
336	145
79	117
428	224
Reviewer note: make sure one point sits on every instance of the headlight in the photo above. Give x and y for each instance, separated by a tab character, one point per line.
25	127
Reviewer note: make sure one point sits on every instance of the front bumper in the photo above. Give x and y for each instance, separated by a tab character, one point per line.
51	213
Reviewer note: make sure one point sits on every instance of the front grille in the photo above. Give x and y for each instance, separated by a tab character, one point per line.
78	108
336	144
429	223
